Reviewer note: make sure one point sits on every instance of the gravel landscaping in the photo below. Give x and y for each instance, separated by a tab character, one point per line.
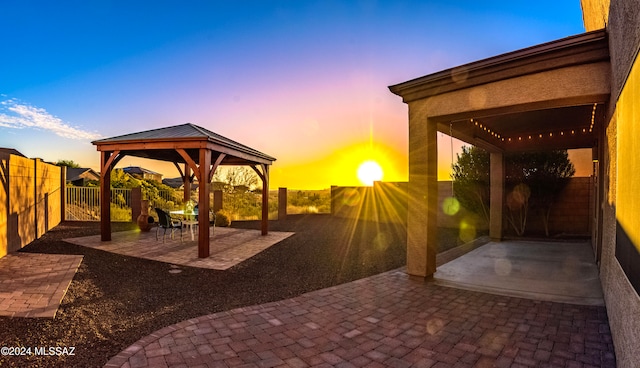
115	300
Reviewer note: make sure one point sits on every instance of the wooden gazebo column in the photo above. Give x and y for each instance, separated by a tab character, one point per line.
186	182
108	160
264	176
203	203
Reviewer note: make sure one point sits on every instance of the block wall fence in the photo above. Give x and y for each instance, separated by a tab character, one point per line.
31	198
387	202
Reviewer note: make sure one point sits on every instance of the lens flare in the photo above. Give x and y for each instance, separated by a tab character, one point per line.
351	197
450	206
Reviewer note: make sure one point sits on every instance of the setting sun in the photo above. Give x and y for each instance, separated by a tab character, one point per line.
368	172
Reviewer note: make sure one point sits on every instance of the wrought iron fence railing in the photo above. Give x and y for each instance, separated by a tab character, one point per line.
83	203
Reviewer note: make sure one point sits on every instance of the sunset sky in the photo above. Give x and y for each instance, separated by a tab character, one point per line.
303	81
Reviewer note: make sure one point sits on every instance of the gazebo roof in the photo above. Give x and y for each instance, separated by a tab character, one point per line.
160	144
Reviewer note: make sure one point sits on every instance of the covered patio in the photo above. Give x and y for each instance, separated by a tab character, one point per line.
546	97
199	151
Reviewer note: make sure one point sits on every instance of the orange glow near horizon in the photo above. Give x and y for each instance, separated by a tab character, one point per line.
339	165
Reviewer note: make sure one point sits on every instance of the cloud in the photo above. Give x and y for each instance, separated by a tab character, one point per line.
16	115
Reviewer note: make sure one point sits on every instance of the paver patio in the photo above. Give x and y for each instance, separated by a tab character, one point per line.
33	285
388	320
228	246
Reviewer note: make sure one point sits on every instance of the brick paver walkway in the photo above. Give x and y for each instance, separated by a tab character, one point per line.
33	285
228	246
388	320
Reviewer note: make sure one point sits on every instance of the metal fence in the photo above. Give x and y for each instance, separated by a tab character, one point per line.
83	203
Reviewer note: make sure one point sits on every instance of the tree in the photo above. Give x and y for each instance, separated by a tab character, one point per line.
235	178
68	163
471	180
236	183
533	180
545	174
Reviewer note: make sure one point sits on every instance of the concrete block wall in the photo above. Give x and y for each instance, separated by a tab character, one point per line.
354	203
572	214
387	202
30	200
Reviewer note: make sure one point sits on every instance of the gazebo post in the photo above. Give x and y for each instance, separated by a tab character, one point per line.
203	203
186	182
105	196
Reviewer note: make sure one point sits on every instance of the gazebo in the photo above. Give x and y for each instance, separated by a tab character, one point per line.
199	150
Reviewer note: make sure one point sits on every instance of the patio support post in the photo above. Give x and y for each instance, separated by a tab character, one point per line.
265	199
203	203
496	196
422	194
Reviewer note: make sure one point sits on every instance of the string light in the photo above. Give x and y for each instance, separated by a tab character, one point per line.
593	117
550	135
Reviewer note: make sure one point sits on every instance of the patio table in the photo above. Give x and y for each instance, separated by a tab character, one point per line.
189	219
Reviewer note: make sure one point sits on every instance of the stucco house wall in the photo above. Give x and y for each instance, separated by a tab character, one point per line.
620	259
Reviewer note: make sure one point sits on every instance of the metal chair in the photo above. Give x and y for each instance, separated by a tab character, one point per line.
212	219
166	222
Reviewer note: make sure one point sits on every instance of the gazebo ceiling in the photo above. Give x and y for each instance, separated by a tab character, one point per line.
161	144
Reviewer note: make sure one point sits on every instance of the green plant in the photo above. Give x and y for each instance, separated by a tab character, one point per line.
222	219
471	180
533	180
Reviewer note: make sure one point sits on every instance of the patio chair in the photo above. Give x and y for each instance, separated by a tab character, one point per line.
212	219
212	222
166	222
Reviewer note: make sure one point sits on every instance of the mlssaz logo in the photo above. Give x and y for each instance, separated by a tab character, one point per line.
55	350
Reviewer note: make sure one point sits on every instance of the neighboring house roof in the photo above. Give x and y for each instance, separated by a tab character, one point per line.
77	173
11	151
139	170
176	183
172	182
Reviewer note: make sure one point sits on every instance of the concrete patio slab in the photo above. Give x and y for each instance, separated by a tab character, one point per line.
34	284
228	246
554	271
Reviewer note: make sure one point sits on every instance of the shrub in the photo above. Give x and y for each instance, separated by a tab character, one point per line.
222	219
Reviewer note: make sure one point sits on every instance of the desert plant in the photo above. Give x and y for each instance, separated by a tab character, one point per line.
223	219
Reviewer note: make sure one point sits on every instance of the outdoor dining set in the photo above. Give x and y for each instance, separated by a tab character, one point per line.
180	219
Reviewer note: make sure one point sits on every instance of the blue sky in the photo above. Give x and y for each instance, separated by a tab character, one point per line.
303	81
